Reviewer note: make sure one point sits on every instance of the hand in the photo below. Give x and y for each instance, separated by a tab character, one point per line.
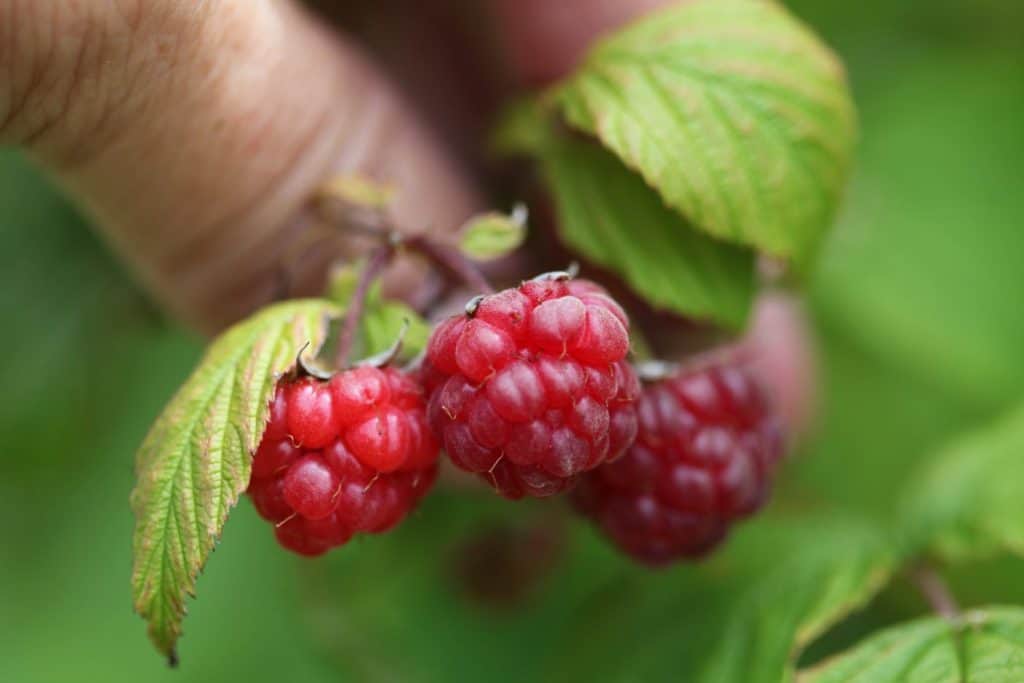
195	133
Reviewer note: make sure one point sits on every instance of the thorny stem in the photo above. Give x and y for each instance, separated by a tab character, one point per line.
936	591
375	264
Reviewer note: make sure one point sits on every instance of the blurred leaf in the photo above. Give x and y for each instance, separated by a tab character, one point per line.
397	607
524	128
830	570
358	191
924	269
610	216
985	646
876	422
744	616
195	461
969	501
733	110
492	235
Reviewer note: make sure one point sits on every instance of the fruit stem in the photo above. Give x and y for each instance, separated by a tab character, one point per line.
936	591
449	259
379	258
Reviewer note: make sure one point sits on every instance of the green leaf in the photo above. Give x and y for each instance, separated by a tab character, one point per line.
892	276
195	461
492	235
969	502
401	606
742	616
525	128
829	570
733	110
985	646
610	216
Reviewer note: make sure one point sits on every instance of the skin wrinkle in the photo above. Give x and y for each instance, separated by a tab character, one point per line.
38	114
63	97
6	63
24	45
85	30
92	100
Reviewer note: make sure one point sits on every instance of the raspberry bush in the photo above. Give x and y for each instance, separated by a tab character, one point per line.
530	387
683	149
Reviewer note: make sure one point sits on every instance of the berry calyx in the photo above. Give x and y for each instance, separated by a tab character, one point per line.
704	457
530	387
338	457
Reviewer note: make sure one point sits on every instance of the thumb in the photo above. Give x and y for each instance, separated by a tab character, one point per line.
194	134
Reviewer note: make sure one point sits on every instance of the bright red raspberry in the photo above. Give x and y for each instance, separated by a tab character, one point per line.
704	457
531	388
353	454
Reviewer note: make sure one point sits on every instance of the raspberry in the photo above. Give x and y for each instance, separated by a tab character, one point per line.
532	388
704	457
353	454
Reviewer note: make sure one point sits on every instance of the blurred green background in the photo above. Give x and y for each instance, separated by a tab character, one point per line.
917	303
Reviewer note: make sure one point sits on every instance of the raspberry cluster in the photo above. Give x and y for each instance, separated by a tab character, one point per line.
704	457
353	454
530	387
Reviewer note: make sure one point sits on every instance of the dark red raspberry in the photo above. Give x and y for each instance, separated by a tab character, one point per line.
704	457
531	387
353	454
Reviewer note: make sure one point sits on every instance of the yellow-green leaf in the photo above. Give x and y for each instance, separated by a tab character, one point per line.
492	235
984	646
733	110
